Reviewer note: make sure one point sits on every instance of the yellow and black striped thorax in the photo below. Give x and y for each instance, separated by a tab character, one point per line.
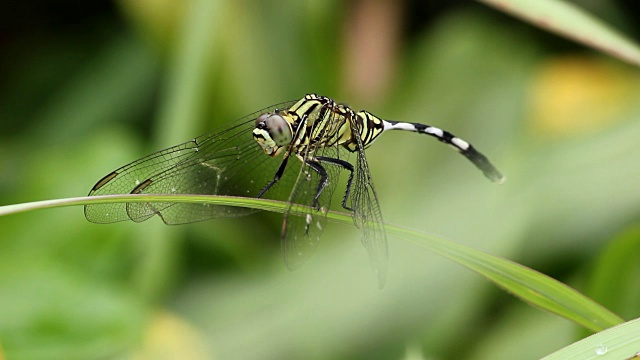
319	121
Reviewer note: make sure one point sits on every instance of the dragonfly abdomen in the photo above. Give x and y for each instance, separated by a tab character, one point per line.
461	146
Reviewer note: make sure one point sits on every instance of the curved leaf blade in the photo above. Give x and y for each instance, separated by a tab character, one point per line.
619	343
571	22
529	285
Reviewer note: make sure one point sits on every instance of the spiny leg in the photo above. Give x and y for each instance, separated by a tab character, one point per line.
324	180
345	165
276	177
461	146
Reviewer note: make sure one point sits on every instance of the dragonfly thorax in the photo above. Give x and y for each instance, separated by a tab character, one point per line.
272	133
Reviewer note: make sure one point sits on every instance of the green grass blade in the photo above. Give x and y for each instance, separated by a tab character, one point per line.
529	285
619	343
260	204
570	21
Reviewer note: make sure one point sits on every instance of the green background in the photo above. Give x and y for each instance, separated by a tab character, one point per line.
88	88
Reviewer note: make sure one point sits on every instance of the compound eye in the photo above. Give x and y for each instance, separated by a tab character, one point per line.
260	120
278	129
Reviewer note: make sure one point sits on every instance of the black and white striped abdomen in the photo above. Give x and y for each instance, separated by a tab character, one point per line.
461	146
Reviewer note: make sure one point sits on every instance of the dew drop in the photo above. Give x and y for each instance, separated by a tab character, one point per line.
601	349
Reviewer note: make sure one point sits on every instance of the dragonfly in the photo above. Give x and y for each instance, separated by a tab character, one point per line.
292	152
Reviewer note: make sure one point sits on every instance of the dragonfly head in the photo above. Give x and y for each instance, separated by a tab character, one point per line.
272	132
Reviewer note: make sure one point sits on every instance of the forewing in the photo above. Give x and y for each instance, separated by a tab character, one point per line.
223	162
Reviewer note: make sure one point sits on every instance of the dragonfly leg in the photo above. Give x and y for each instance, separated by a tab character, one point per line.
277	176
347	166
315	165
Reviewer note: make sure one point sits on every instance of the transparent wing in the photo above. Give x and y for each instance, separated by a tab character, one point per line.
301	233
224	162
367	215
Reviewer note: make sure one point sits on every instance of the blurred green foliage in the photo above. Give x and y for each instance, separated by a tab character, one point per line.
87	88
